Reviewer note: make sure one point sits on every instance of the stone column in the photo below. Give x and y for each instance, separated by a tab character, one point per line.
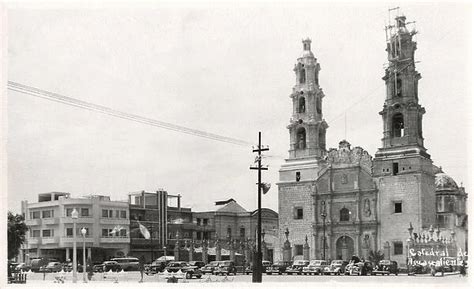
287	247
204	252
191	250
306	249
218	250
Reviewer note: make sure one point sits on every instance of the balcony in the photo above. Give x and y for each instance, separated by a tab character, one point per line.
68	240
110	240
33	222
49	240
112	221
34	241
80	220
50	221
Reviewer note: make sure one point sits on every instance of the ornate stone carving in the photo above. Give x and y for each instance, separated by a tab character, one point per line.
345	155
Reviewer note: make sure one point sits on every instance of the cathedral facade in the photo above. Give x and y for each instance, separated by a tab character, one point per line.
342	202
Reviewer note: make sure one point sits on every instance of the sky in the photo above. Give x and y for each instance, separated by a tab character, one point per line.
221	68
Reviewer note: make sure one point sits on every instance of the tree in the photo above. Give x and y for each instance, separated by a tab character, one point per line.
375	256
16	234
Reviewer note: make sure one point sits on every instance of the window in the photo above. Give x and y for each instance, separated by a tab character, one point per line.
198	235
344	215
298	249
301	138
301	105
105	213
298	213
69	212
229	232
316	77
440	203
397	207
48	233
397	125
46	214
442	220
105	232
302	76
198	221
397	87
123	214
205	221
206	235
35	215
395	168
87	231
36	233
117	214
397	248
318	105
84	212
322	138
242	233
123	232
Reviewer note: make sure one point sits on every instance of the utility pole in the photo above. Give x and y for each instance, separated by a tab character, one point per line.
257	267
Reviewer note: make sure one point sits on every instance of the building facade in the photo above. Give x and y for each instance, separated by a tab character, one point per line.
50	226
343	202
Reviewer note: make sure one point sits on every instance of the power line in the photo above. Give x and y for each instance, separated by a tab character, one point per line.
33	91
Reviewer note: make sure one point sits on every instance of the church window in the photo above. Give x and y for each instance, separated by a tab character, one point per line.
397	87
395	168
397	125
301	105
242	233
301	138
302	75
298	213
298	249
298	176
318	105
344	215
397	207
397	248
229	232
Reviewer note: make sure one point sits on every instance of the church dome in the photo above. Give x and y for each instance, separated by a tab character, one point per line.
445	182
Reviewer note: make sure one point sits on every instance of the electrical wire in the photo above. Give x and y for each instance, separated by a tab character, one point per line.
33	91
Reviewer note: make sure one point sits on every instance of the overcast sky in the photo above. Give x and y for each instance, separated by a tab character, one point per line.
224	69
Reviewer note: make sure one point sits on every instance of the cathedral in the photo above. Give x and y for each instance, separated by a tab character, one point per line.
337	203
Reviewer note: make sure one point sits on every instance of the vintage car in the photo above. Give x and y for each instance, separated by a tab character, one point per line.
315	267
22	267
337	267
128	263
278	268
359	268
198	264
385	267
190	271
209	268
226	268
297	267
156	267
265	265
52	267
113	266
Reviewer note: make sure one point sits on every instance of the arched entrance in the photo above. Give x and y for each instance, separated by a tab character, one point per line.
344	248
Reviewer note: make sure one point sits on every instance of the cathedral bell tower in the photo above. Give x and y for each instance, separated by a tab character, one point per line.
297	184
402	114
402	169
307	127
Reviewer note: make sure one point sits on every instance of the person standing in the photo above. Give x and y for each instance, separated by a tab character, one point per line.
141	267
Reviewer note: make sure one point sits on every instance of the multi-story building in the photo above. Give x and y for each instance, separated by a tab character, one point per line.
50	226
165	222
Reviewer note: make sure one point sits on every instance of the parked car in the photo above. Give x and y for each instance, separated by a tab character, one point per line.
315	267
209	268
52	267
198	264
67	266
156	267
226	268
113	266
278	267
98	267
265	265
22	267
37	263
359	268
128	263
184	267
80	268
337	267
386	267
297	267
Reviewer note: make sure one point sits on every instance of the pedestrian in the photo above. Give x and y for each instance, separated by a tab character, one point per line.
141	267
462	270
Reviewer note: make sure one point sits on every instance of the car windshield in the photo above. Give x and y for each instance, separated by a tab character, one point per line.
336	262
315	262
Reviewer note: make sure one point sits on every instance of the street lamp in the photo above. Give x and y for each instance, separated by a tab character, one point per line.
74	216
323	215
84	265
